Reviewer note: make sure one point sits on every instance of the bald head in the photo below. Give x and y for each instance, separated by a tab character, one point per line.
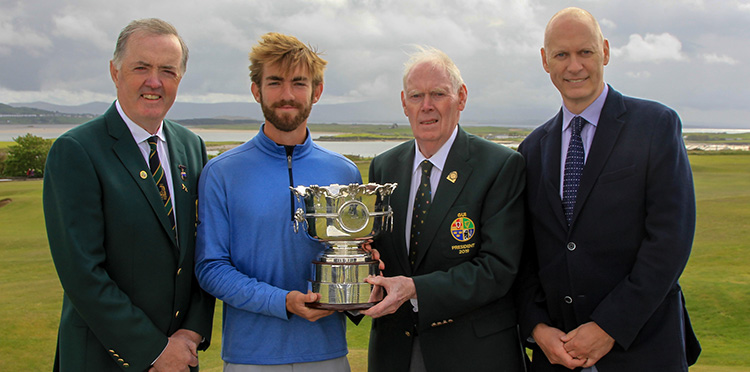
576	15
574	55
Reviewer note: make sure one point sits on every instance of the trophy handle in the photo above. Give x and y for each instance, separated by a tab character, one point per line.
299	216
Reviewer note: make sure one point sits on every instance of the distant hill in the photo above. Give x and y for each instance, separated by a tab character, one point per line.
10	110
31	115
185	113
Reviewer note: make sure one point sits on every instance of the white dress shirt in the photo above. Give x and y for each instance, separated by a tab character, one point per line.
438	163
141	137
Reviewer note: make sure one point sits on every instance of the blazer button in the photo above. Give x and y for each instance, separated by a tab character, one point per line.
568	300
571	246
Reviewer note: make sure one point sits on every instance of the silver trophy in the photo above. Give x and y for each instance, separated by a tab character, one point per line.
344	217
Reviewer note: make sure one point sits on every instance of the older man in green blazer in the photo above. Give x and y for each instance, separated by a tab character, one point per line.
120	204
457	237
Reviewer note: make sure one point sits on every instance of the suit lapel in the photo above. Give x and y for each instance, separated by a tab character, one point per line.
180	194
551	145
607	131
131	158
400	203
447	191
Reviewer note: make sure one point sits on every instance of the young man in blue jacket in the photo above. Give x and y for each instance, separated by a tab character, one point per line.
248	254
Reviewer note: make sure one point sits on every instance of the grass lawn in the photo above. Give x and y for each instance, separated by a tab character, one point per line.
716	281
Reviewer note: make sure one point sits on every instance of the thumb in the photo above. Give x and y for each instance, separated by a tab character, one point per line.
311	297
375	280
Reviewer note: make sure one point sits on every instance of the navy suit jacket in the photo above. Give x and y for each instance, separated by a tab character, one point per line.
467	318
632	230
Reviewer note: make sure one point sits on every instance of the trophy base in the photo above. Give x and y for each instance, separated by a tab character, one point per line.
340	307
342	286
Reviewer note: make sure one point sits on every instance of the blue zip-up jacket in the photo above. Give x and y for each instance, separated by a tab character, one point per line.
249	256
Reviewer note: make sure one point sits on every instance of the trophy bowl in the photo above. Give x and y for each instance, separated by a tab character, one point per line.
344	218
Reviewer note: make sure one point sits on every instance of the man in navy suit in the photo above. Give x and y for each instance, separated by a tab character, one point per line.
599	287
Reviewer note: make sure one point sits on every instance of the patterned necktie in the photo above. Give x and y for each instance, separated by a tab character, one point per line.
419	212
573	168
161	182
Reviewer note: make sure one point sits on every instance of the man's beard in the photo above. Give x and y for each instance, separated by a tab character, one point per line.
285	123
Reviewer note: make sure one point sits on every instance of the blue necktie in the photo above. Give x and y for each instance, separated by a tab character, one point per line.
419	212
573	168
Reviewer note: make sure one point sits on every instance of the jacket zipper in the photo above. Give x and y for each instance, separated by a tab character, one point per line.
289	152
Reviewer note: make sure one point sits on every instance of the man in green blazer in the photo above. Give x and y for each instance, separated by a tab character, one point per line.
454	251
122	240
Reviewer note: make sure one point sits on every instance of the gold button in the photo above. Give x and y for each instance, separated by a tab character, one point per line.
407	333
176	314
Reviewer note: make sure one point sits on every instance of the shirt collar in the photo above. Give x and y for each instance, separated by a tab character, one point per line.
437	160
591	113
139	134
272	148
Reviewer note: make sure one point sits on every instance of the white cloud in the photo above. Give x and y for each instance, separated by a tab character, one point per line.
715	58
607	24
214	98
378	87
639	74
651	48
79	27
15	36
55	96
218	30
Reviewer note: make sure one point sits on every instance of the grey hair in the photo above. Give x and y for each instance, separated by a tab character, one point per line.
152	26
436	58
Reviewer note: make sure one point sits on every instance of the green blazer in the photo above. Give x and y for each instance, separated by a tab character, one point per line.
127	283
467	318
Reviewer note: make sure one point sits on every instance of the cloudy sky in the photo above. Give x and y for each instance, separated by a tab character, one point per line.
689	54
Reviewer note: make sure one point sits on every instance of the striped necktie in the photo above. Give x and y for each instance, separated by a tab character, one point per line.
419	213
161	182
573	168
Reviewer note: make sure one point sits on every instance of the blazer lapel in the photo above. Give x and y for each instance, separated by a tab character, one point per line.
447	191
180	194
127	151
607	131
400	203
551	145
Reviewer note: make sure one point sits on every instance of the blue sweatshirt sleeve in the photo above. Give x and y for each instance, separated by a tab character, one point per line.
214	269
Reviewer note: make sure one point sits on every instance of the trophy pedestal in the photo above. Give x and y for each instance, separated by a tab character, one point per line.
339	276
